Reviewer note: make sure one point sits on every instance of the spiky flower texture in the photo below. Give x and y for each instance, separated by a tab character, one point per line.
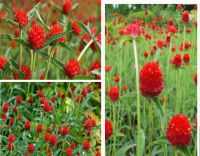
151	80
179	130
21	18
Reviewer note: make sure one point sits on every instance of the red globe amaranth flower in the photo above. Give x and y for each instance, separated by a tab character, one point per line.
160	43
86	145
124	88
19	99
170	22
26	71
135	28
39	128
21	18
98	154
27	125
185	17
145	54
72	68
177	60
107	68
151	79
179	131
31	148
69	151
5	107
96	66
186	58
40	93
36	36
53	139
179	7
108	129
67	7
56	28
3	62
64	130
113	93
76	28
11	138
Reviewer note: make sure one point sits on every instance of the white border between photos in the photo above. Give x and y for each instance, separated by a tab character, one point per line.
103	3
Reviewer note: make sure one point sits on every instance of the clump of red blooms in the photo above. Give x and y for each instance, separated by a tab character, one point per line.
21	18
55	29
113	93
3	62
72	68
96	66
36	36
86	145
135	28
179	130
151	79
30	148
185	17
67	7
178	60
108	129
76	28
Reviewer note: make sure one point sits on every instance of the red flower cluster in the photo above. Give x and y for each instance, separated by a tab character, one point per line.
72	68
36	36
108	128
56	29
113	93
76	28
86	145
185	17
21	18
67	7
179	130
3	62
151	80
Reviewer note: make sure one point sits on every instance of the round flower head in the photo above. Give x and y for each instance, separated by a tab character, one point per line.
11	138
179	131
96	66
5	107
31	148
68	151
53	139
108	128
3	62
36	36
186	58
177	60
185	17
86	145
26	71
76	28
27	125
151	80
21	18
135	28
56	29
113	93
67	7
72	68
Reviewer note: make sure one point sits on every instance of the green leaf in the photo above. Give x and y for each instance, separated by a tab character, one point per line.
7	9
53	60
84	77
75	6
142	142
98	45
57	152
69	28
20	41
42	21
85	28
53	39
14	67
33	10
123	150
65	46
87	99
10	22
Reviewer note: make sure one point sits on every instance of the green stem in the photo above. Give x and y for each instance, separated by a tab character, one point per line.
34	60
49	62
150	107
31	62
84	50
20	57
138	99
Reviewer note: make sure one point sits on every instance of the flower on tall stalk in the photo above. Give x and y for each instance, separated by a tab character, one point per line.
21	18
151	79
179	130
185	17
72	68
177	60
108	129
134	29
113	93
